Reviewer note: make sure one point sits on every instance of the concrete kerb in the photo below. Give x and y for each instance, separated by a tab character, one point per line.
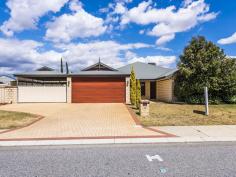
118	141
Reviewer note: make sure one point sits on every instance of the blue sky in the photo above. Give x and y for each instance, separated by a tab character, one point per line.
35	33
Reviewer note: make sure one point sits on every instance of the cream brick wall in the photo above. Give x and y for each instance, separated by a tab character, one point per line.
127	90
147	89
69	89
165	90
8	94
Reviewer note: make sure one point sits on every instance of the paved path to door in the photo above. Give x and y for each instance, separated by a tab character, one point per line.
77	121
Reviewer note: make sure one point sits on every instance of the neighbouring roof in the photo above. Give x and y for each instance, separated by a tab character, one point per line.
6	79
42	72
147	71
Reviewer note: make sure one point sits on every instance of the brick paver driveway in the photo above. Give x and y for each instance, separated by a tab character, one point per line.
77	120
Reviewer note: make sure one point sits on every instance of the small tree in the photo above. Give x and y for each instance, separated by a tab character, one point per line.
138	93
200	65
132	87
61	66
228	80
67	68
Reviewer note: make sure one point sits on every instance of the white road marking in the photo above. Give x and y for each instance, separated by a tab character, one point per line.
163	170
155	157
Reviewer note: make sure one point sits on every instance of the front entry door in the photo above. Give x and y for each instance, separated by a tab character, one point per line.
153	90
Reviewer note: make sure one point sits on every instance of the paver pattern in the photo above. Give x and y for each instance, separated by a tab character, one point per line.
77	120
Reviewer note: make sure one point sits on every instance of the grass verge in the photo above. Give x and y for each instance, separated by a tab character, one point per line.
164	114
11	119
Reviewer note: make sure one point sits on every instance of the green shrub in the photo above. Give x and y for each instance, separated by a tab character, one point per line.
200	99
230	99
195	99
215	100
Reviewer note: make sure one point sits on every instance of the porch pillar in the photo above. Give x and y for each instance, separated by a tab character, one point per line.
147	89
127	90
69	89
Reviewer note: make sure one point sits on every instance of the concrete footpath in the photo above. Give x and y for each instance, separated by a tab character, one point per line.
184	134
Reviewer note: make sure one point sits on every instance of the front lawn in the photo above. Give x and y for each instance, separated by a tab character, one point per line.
10	119
164	114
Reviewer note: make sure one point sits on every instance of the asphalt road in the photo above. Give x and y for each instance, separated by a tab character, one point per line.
180	160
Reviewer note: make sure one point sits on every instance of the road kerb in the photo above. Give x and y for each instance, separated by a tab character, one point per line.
116	141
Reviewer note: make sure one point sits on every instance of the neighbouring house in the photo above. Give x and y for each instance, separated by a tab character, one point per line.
7	80
8	89
98	83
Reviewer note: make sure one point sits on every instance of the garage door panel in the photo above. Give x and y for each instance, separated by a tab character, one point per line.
44	94
98	90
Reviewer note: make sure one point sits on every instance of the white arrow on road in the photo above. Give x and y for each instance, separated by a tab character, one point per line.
155	157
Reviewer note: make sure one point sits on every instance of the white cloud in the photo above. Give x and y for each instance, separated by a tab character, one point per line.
79	24
25	14
120	8
141	31
164	49
165	61
228	40
164	39
170	20
84	54
124	1
27	55
130	55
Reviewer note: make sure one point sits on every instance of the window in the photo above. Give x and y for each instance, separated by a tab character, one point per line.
142	88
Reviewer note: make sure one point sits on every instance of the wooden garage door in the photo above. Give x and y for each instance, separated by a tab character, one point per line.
98	90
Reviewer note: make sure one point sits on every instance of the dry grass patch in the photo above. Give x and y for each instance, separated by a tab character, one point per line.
164	114
11	119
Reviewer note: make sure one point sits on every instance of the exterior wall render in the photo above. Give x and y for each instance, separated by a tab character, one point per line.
127	90
165	90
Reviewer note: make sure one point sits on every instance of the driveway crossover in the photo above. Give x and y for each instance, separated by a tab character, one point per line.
87	120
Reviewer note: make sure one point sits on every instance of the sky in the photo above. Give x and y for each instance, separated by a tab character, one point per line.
37	33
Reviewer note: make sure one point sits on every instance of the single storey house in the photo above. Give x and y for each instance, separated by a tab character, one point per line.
98	83
6	80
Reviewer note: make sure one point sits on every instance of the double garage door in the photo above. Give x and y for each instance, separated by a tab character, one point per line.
98	90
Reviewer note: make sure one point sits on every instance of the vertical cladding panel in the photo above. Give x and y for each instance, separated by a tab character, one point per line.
98	90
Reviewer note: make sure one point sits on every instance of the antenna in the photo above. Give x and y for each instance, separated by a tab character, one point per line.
99	64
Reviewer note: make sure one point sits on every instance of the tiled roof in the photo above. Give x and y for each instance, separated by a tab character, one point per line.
147	71
142	71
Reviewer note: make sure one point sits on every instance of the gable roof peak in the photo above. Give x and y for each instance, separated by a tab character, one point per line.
99	66
44	68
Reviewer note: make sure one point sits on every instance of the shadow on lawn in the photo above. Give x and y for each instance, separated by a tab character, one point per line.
199	112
